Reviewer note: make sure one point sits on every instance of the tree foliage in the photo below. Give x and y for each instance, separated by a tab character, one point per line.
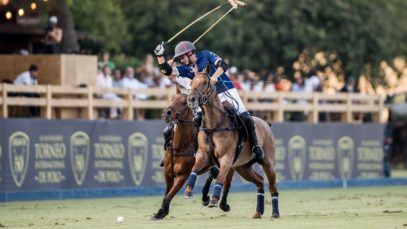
104	20
265	35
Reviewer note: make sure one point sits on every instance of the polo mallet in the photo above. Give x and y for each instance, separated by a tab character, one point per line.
195	21
213	25
234	4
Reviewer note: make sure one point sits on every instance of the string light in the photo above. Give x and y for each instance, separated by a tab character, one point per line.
33	6
21	12
9	15
5	2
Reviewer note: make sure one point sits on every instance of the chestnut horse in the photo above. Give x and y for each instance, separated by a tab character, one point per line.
180	156
218	138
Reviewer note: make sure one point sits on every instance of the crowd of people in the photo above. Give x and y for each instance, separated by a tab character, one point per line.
148	75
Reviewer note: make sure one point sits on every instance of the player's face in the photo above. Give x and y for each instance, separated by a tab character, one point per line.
189	58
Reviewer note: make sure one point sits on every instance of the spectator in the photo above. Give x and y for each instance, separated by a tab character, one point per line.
53	37
117	78
299	86
106	61
235	78
129	81
161	82
29	77
268	84
145	72
313	81
104	80
349	85
278	84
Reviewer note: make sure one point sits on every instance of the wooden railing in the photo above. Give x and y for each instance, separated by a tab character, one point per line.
54	101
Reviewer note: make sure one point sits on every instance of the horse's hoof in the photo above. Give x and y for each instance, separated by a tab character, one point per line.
159	215
188	195
275	216
224	207
213	203
257	215
205	200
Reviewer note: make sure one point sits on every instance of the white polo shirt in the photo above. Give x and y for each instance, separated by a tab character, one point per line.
25	79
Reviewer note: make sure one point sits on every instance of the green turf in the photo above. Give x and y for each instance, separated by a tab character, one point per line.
324	208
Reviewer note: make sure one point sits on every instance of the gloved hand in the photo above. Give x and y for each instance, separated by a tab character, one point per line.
159	50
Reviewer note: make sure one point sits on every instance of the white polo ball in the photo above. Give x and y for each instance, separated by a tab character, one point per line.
120	219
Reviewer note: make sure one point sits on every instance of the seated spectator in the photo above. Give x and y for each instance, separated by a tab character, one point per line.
146	71
104	80
117	78
268	84
161	82
29	77
313	81
235	78
129	81
350	86
299	86
278	84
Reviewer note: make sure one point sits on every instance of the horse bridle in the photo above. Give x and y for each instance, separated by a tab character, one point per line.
203	97
177	119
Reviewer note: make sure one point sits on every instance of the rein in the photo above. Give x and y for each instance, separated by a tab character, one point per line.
204	99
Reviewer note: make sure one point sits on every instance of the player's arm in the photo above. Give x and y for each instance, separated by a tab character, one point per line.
165	66
221	66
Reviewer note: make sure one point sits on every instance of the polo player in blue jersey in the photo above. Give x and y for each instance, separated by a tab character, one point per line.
188	57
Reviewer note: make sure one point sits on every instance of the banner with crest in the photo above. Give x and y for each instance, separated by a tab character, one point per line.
80	154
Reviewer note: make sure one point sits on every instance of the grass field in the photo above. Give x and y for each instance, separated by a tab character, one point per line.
372	207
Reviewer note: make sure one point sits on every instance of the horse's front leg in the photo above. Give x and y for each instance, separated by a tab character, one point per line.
169	180
226	162
223	202
213	174
165	206
201	166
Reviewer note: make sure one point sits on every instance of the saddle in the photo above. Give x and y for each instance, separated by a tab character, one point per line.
237	123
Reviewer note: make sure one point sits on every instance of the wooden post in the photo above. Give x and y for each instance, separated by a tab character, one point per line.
378	115
48	106
5	110
348	117
280	110
315	112
90	103
129	113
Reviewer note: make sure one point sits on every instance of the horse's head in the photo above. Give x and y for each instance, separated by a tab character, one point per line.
176	109
201	88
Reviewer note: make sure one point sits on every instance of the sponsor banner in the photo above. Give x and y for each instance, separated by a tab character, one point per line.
80	154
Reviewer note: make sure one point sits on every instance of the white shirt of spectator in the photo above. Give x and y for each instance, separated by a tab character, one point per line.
135	84
104	81
164	83
313	82
25	79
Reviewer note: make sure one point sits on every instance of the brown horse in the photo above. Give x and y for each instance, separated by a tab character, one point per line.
180	156
218	139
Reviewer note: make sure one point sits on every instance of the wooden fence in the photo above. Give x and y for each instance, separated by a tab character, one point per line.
61	102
